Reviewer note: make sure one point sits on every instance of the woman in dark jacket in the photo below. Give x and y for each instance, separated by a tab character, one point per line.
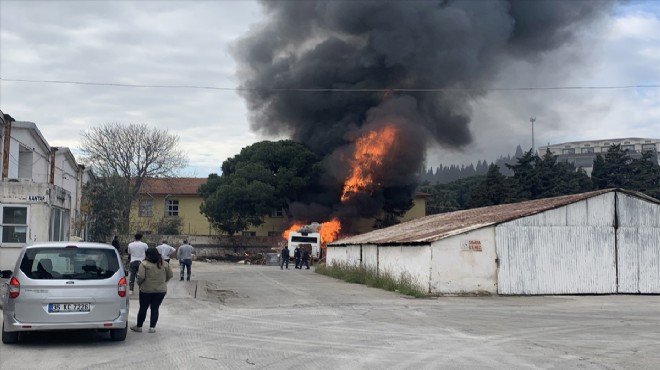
152	277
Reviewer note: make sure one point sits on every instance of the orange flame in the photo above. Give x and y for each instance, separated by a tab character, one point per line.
329	231
294	228
370	150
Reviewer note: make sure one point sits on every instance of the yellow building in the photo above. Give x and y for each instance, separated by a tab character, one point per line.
166	202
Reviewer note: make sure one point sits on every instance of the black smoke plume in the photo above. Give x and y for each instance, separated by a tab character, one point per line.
344	50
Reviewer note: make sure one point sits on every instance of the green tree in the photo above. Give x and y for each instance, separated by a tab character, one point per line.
525	180
646	175
617	169
614	170
133	152
493	190
452	196
103	202
264	177
559	178
169	226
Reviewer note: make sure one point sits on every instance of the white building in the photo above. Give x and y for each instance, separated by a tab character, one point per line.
583	153
40	191
600	242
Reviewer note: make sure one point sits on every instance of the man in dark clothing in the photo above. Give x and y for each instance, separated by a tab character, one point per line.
115	243
296	257
305	258
285	258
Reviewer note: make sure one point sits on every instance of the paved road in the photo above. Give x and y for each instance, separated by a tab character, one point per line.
260	317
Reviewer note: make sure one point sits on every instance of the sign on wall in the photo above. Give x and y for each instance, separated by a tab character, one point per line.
36	198
471	245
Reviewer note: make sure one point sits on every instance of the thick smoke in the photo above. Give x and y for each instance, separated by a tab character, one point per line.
454	45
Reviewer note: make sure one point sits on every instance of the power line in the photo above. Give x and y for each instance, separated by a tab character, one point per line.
451	89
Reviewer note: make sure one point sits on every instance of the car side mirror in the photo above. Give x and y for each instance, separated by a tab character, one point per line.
5	274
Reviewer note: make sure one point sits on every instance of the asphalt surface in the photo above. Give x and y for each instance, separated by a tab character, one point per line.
235	316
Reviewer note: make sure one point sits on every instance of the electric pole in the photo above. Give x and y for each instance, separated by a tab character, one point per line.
532	120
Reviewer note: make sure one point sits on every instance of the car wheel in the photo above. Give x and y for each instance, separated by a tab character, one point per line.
119	335
9	337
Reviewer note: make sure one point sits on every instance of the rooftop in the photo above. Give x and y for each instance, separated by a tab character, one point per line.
435	227
172	185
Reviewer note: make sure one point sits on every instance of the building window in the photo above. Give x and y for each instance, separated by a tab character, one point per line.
630	148
587	150
249	233
568	151
274	233
277	213
59	224
146	208
604	149
14	224
171	208
648	148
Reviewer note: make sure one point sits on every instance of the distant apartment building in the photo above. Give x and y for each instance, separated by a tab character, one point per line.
40	190
583	153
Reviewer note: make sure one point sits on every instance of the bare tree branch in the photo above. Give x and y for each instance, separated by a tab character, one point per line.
134	152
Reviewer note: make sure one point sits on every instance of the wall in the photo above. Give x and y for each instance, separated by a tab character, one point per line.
568	250
17	193
413	262
455	269
40	156
441	268
193	222
638	245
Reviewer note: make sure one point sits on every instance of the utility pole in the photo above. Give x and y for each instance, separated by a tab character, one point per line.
532	120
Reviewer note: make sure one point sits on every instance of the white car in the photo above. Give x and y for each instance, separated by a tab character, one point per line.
66	286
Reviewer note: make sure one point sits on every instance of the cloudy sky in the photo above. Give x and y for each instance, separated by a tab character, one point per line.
104	49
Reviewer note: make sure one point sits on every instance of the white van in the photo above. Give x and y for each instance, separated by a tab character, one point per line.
66	286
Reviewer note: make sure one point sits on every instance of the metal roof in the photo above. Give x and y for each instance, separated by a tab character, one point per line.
435	227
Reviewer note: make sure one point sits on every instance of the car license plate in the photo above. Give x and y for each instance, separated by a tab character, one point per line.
68	307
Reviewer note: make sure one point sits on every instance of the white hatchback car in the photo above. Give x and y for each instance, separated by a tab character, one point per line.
66	286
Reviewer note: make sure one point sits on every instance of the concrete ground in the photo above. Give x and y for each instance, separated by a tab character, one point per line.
235	316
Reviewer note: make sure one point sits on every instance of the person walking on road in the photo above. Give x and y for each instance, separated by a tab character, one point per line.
152	278
115	243
137	250
285	258
185	254
296	257
304	258
165	251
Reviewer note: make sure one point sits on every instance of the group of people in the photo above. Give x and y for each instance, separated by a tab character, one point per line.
150	267
300	256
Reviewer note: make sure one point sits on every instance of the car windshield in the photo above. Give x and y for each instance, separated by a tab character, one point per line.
69	263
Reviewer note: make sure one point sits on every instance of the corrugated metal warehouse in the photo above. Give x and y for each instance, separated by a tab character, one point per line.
600	242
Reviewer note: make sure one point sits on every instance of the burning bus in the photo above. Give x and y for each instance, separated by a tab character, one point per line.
313	237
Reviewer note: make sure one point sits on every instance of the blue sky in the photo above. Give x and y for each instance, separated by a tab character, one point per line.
187	43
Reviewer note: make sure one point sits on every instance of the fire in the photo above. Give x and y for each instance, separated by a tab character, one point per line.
294	228
370	150
329	231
